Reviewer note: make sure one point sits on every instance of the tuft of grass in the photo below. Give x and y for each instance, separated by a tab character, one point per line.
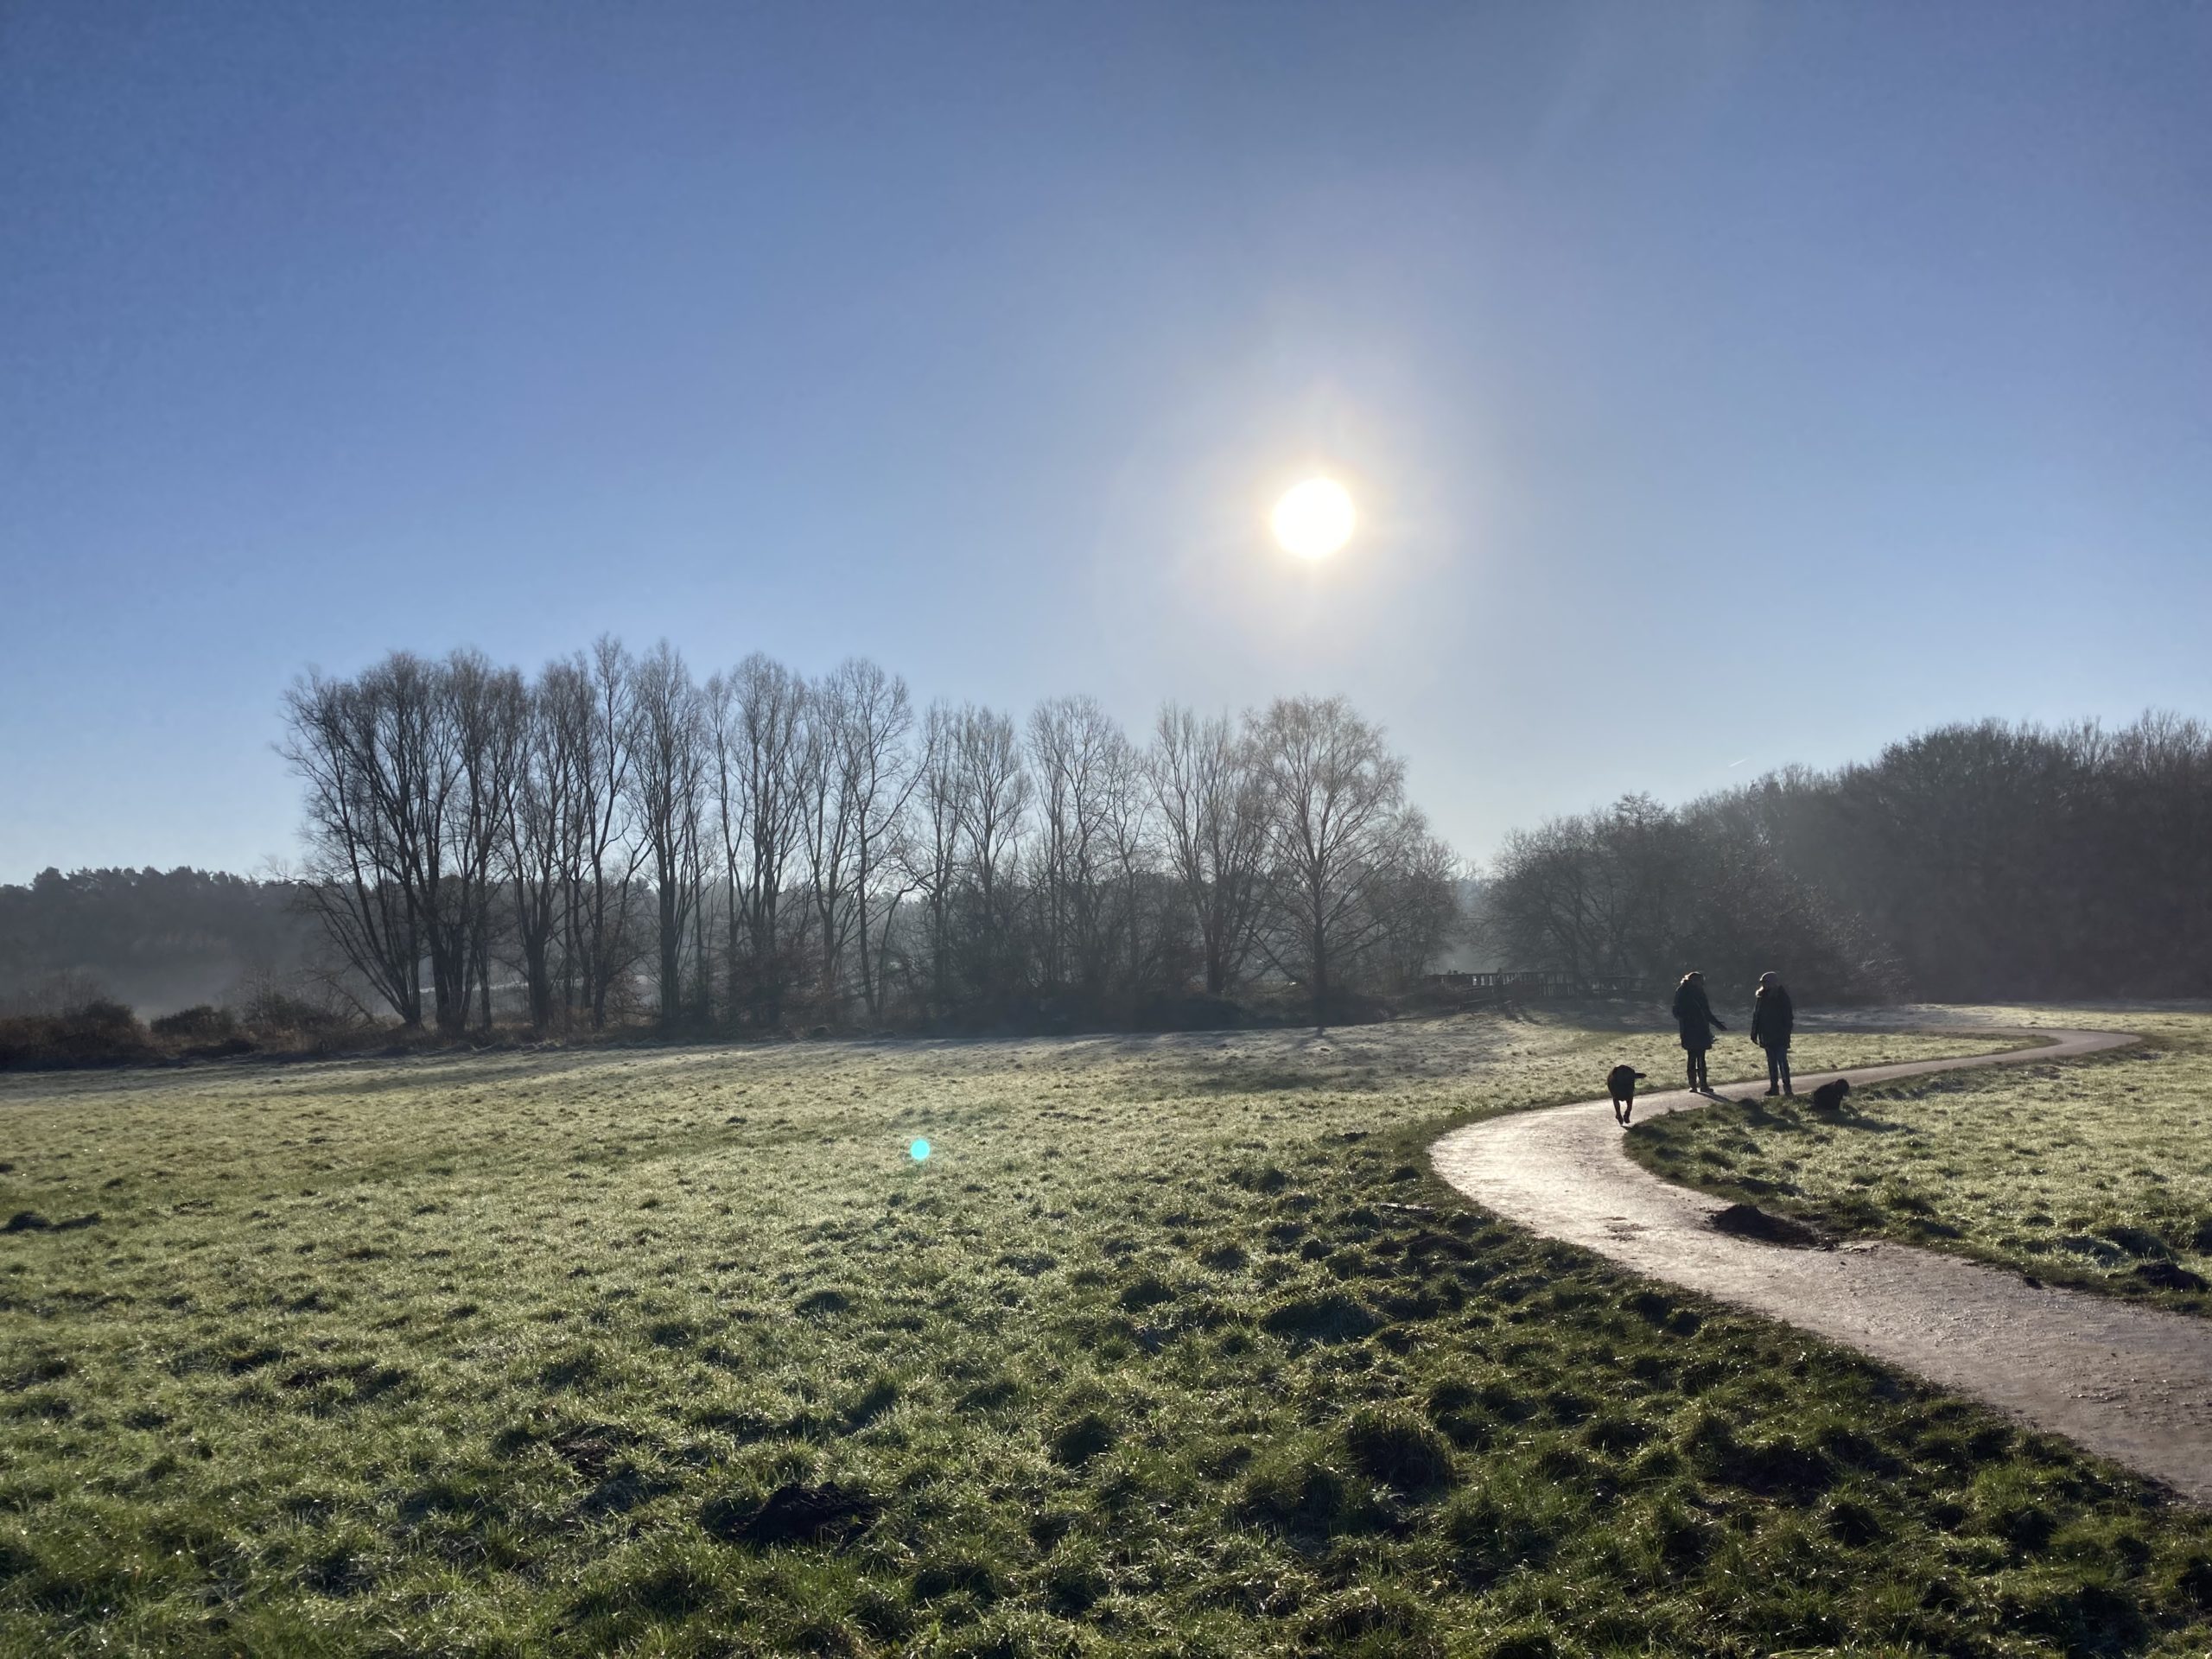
1173	1347
2096	1174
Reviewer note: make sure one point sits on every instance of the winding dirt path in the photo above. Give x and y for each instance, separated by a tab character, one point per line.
2132	1384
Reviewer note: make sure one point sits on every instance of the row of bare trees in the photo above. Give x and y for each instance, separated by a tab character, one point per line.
618	833
1974	860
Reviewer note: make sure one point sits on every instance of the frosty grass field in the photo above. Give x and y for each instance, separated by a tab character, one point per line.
1171	1345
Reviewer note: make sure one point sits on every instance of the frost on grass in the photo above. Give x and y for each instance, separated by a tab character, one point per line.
1171	1346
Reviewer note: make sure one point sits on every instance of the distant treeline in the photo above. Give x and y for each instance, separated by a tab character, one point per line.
836	856
1973	862
158	940
617	835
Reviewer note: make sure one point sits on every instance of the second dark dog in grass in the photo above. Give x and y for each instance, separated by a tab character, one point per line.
1622	1081
1828	1098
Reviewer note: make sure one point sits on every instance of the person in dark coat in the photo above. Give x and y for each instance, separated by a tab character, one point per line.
1772	1020
1693	1013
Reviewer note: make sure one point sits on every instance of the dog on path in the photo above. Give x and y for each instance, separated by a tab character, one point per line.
1828	1098
1622	1081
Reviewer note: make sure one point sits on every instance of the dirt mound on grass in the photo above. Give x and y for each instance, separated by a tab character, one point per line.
792	1513
1332	1317
1749	1221
2170	1275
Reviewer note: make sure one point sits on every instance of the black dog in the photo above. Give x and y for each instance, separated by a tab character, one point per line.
1828	1098
1622	1081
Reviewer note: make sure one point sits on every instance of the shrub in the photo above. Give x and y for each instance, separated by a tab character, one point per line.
273	1009
103	1014
99	1033
203	1024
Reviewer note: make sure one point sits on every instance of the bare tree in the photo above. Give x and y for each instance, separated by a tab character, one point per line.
964	857
603	856
826	827
666	784
423	743
878	777
547	777
1128	867
486	708
1334	794
700	877
755	723
932	854
994	796
725	739
361	870
1415	900
409	770
1213	817
1076	755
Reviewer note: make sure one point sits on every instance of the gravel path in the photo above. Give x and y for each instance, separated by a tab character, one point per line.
2132	1384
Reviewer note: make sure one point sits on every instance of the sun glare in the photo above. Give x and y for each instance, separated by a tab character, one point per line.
1314	519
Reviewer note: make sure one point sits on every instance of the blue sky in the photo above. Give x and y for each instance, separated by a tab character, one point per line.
1724	385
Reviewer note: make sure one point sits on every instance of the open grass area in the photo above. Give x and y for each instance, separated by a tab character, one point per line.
2096	1173
1172	1346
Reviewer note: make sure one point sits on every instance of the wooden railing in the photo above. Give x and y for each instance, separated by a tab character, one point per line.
1542	984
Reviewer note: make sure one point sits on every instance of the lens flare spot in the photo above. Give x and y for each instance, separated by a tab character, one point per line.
919	1152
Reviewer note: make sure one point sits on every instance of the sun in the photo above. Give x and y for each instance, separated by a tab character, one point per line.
1314	519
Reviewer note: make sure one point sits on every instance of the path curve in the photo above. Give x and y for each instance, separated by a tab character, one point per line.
2132	1384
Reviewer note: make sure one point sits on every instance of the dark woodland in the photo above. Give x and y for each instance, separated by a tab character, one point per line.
158	940
1975	861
